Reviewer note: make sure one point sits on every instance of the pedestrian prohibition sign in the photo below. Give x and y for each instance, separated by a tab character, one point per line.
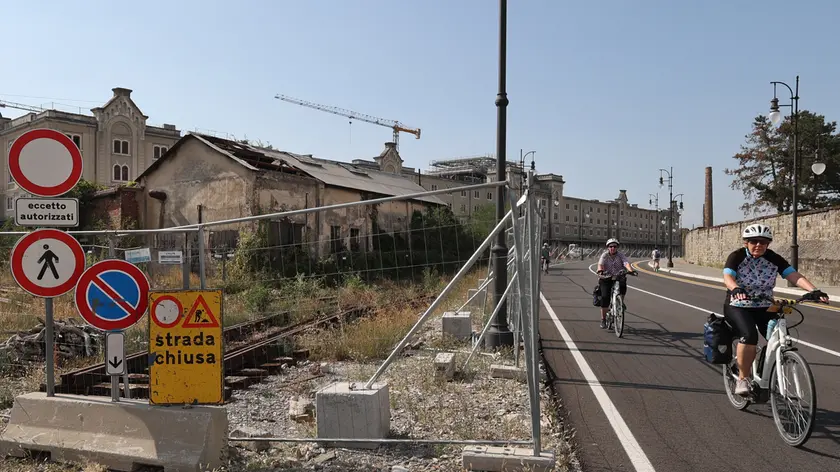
112	295
47	262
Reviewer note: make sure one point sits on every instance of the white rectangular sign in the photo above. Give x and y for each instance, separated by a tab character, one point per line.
115	353
138	255
170	257
62	212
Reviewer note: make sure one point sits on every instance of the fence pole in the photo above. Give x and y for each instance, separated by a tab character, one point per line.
186	262
201	258
534	325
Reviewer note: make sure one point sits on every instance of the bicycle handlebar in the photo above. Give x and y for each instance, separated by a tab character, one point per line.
621	274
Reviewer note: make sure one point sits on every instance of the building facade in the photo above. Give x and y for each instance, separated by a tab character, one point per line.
116	142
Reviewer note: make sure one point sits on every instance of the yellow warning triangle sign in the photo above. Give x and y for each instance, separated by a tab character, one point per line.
200	316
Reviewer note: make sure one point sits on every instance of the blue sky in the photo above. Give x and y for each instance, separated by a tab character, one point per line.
605	92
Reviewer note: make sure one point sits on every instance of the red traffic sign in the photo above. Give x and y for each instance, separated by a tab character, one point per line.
112	295
45	162
47	262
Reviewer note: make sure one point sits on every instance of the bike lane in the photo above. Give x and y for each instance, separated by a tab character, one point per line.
665	407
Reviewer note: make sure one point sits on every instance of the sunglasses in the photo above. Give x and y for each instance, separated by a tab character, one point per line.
612	247
756	242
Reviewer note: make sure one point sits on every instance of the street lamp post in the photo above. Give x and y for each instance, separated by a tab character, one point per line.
580	228
670	211
775	117
654	201
499	334
677	229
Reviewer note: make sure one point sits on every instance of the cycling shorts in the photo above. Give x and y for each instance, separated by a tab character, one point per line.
606	290
748	322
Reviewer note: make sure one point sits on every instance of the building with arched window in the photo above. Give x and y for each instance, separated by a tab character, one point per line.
115	139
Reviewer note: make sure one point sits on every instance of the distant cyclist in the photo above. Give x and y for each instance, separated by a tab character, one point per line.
655	255
750	277
611	262
545	253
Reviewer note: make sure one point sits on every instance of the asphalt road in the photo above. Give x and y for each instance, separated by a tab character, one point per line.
649	401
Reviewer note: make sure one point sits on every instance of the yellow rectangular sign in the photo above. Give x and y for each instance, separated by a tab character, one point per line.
186	353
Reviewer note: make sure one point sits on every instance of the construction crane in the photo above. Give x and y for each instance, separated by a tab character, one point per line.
20	106
394	125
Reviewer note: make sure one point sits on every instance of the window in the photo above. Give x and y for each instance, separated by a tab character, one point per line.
463	207
556	216
10	203
463	193
475	194
121	147
335	238
599	209
599	220
489	195
556	229
159	151
476	209
354	239
120	173
77	140
567	218
576	219
575	207
567	206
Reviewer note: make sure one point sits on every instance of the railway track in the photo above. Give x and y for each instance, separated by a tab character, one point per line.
253	350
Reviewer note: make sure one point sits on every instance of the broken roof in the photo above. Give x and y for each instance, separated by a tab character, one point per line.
332	173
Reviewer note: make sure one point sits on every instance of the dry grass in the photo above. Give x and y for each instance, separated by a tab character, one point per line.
373	337
30	465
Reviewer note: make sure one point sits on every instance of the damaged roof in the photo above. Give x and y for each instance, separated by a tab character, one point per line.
332	173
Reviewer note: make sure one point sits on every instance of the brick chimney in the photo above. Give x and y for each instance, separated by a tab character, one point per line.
119	91
708	210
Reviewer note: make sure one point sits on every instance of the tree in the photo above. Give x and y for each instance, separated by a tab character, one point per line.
765	164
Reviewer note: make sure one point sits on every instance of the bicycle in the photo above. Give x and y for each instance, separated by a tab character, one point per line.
616	311
766	376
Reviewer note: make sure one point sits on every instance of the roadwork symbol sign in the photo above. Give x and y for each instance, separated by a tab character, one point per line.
186	352
47	262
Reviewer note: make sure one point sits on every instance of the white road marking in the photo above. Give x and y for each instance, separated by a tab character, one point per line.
634	451
804	343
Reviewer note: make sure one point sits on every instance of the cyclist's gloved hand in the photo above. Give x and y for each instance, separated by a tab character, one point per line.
634	272
739	293
817	295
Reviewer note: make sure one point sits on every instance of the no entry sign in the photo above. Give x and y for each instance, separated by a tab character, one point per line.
45	162
112	295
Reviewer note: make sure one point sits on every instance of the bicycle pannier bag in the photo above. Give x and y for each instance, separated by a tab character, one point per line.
596	295
717	340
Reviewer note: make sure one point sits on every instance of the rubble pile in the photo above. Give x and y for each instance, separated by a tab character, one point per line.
72	340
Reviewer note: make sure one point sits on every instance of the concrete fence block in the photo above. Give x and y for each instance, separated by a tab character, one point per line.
347	410
457	324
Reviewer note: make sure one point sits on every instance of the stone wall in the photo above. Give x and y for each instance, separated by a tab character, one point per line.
819	233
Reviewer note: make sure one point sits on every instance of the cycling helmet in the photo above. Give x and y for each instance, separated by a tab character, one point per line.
611	241
757	230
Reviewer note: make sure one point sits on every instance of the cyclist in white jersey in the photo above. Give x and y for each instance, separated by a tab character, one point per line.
750	277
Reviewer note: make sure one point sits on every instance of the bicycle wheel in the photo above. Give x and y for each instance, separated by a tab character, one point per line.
730	377
794	421
618	303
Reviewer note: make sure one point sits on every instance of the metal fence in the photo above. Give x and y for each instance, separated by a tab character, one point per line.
308	268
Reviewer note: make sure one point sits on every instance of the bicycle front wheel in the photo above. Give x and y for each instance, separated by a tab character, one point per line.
794	409
618	307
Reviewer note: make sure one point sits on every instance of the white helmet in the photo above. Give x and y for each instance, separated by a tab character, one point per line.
611	241
757	231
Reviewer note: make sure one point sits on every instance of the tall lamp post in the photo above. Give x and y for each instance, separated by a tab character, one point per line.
680	207
654	201
776	117
499	334
670	211
580	228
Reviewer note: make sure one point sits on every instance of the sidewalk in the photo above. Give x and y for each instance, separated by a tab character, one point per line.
684	269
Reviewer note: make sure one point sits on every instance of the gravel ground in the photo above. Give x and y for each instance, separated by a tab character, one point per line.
472	406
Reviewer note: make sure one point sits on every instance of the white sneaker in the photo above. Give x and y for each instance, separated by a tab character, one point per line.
742	387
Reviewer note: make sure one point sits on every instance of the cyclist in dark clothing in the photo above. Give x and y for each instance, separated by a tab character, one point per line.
750	277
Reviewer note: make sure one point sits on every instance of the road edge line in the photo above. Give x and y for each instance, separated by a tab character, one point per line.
631	447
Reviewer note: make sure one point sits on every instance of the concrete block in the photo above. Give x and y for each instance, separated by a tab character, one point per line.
458	324
445	365
506	459
347	410
499	371
123	436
